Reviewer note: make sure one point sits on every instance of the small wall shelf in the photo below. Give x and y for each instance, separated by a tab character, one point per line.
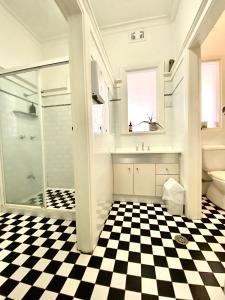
23	113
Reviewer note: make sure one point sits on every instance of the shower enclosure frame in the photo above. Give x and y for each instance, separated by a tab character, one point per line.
22	208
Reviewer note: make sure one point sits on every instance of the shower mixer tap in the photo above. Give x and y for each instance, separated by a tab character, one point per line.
30	176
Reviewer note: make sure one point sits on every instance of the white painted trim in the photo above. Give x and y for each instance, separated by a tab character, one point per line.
221	62
160	131
55	38
80	70
109	72
59	188
204	21
130	27
135	22
35	66
41	122
70	8
202	9
2	175
174	9
82	25
98	38
139	199
160	95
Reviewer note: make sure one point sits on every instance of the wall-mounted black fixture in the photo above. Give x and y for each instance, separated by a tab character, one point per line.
223	110
171	62
32	109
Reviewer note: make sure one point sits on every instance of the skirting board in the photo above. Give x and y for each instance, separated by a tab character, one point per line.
139	199
39	212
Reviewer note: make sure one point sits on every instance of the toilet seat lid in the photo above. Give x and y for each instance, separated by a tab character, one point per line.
218	175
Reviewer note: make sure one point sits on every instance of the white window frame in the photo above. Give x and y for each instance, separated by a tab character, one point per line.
220	60
160	110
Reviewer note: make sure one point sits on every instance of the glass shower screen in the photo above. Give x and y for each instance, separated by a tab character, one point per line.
21	139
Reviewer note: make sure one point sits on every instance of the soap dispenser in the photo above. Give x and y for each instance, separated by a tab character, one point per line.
32	109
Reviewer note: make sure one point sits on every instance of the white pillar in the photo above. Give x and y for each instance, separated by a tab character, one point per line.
80	75
192	146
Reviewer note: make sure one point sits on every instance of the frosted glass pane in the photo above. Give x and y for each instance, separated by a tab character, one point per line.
210	91
141	93
20	133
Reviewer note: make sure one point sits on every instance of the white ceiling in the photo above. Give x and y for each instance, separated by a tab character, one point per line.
112	12
45	21
41	17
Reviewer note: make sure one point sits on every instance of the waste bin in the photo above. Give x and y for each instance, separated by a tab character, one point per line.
173	194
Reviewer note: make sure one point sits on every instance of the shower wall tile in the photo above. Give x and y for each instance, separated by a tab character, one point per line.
58	142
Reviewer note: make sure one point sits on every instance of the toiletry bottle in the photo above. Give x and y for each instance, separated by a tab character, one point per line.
32	109
130	127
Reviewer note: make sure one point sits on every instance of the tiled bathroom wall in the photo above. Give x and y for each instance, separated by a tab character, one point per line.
57	122
20	143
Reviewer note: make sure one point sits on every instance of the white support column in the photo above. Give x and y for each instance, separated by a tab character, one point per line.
80	74
192	149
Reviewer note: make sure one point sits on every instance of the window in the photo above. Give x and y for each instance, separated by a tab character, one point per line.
141	97
210	94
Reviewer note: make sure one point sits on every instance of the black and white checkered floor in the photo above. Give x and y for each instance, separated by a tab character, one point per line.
136	257
55	198
60	198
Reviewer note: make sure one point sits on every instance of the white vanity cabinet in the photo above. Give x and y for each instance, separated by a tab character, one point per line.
143	179
163	173
123	179
134	179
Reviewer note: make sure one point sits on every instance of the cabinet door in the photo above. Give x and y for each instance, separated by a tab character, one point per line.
144	179
123	179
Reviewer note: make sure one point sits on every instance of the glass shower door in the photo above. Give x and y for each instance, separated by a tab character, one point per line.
21	139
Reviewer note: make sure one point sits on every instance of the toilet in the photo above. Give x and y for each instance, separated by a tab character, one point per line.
213	163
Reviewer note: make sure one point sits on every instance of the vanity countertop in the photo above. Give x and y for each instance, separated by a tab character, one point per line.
152	150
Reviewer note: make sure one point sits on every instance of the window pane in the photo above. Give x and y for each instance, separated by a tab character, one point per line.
210	77
142	93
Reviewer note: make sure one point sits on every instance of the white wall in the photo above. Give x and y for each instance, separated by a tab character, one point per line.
103	146
55	48
18	46
57	119
185	16
214	48
123	53
157	48
57	125
58	76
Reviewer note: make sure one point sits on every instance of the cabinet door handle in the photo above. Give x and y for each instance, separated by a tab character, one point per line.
137	169
129	169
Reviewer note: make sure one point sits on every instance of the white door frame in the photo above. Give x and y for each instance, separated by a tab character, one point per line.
193	145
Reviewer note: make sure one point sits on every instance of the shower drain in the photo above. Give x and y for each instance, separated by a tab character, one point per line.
180	239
